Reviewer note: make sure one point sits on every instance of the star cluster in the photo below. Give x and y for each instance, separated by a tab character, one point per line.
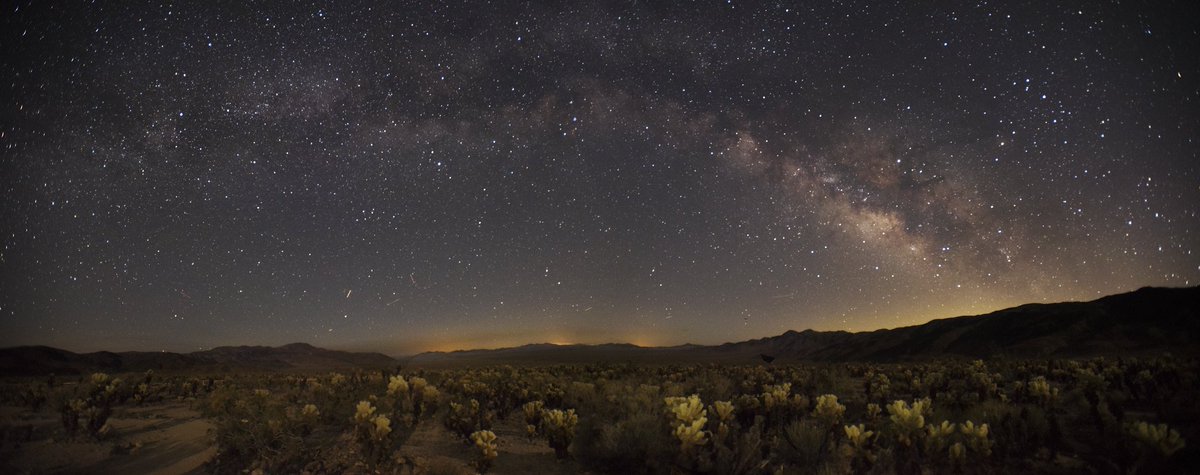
406	177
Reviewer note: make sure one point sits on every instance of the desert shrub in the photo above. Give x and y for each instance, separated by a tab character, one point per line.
802	444
256	430
632	443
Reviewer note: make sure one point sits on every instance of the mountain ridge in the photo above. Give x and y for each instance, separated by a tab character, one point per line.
1147	320
40	359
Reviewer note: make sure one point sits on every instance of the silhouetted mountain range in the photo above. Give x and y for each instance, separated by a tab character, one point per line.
1149	320
1146	321
33	360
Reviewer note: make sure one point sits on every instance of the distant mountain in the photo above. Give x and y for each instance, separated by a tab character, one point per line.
1148	320
1143	321
296	356
38	360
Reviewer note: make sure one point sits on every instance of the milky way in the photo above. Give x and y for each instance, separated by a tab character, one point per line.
411	177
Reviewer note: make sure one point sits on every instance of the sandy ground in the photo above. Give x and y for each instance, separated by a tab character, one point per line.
172	438
163	438
433	444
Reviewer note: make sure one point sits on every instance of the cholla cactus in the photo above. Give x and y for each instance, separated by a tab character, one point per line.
99	379
687	409
373	433
397	386
337	379
533	416
419	384
908	420
777	395
748	402
937	437
95	418
1041	390
485	441
559	419
828	410
95	408
877	385
363	411
1158	437
463	419
873	411
691	417
857	449
113	386
857	435
724	410
958	454
976	437
692	435
559	427
142	394
380	427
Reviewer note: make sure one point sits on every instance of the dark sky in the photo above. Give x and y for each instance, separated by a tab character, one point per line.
404	177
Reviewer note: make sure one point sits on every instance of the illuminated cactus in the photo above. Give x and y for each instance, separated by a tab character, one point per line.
363	411
485	442
724	410
691	435
532	412
1041	391
1159	438
938	437
373	433
686	409
908	420
828	411
380	428
976	438
559	428
397	386
856	449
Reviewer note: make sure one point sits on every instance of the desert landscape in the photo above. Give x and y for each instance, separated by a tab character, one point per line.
1062	398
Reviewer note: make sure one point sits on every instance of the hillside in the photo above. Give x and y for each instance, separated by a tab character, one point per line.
1146	321
37	360
1149	320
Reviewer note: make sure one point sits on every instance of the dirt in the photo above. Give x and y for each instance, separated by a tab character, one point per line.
433	445
172	438
164	438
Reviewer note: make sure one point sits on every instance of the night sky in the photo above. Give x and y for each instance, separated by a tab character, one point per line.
406	177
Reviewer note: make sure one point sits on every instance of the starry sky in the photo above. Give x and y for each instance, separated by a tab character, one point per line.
402	177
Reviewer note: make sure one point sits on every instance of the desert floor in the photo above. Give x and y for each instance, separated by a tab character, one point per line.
173	438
